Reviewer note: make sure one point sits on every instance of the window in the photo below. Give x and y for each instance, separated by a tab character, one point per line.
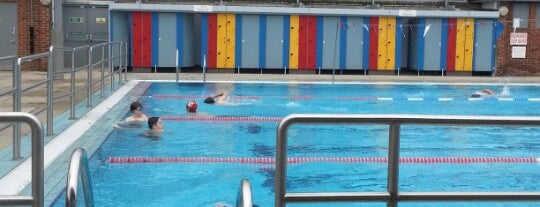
537	19
521	11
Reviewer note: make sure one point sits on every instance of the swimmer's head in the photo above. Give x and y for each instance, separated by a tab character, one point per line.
209	100
191	106
135	106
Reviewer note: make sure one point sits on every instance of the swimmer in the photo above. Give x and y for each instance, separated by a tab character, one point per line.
155	127
191	107
136	120
221	98
137	114
483	93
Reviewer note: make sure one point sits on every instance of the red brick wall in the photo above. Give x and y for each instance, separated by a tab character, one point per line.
530	65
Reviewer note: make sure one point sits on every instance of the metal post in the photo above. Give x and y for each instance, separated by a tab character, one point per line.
120	69
50	92
125	60
17	108
204	68
89	84
393	164
281	163
176	63
101	80
111	65
72	86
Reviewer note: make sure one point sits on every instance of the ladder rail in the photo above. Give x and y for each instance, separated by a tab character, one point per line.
78	167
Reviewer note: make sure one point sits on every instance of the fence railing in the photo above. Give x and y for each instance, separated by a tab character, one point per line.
116	63
392	196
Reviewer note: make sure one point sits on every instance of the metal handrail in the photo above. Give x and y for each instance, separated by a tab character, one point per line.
18	92
204	68
244	198
78	166
37	198
392	196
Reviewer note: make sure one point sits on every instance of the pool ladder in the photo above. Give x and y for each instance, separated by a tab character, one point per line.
243	198
392	196
78	167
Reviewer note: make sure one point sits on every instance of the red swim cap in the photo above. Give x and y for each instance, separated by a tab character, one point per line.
191	106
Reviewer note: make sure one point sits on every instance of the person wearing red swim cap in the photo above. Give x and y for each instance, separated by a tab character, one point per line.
191	106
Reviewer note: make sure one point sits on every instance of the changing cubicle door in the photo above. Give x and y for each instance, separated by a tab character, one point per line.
8	33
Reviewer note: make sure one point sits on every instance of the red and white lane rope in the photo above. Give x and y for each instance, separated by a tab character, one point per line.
357	98
222	118
271	160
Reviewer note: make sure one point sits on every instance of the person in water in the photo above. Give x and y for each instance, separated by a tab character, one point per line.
137	114
483	93
219	98
191	107
155	127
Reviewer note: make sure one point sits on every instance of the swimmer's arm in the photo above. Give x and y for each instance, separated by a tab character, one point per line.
222	97
219	95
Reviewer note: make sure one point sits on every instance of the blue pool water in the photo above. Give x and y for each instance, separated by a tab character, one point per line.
247	129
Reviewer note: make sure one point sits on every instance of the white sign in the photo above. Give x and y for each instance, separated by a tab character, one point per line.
407	13
518	38
515	23
202	8
518	52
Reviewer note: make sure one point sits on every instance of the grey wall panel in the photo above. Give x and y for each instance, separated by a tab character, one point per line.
355	42
190	56
330	53
8	33
250	41
274	42
432	45
76	33
483	46
167	40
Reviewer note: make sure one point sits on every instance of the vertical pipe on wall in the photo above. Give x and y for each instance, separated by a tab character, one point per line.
31	29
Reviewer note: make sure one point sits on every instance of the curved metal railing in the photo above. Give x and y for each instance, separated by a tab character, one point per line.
38	194
78	166
392	196
244	199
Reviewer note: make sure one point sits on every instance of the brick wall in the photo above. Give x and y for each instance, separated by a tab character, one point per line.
506	65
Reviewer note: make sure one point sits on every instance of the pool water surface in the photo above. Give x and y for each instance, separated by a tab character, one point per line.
200	159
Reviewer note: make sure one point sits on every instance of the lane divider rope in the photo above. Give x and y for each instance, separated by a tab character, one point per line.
357	98
222	118
271	160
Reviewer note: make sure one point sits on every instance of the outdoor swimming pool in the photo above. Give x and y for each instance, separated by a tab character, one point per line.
200	160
